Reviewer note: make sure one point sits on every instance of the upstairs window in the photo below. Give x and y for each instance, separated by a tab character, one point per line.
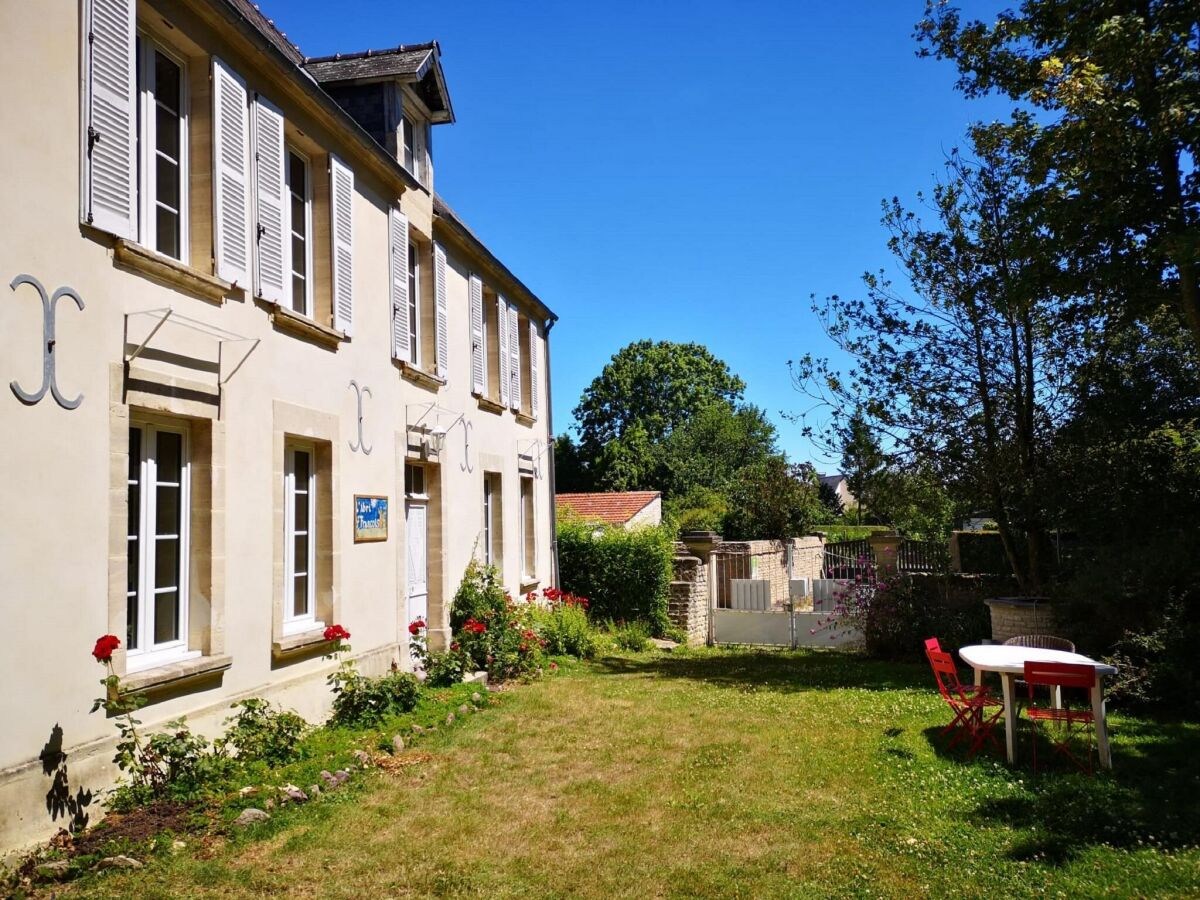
414	304
162	150
408	133
300	224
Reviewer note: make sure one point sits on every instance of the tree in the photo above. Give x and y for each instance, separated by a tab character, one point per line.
1110	103
966	378
657	385
862	460
772	499
832	503
571	471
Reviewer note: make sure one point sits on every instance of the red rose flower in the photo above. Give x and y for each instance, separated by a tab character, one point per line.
336	633
454	646
531	596
473	626
415	626
105	646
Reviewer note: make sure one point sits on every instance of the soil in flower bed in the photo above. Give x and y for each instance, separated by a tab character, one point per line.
136	826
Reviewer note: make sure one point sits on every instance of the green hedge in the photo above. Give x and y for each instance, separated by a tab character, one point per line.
839	532
625	575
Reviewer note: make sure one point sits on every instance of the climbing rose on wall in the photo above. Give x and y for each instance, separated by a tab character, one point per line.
104	648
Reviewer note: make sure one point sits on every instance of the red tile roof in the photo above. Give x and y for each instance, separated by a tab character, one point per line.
615	508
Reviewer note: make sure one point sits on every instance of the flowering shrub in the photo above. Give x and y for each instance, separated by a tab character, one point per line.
362	702
174	763
441	669
563	624
491	630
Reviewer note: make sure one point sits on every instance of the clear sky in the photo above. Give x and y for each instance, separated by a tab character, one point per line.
689	171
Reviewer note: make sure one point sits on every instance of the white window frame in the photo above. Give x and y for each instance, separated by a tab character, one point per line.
289	151
414	301
147	149
528	518
292	623
489	501
148	654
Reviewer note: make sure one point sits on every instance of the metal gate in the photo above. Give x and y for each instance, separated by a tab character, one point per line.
745	611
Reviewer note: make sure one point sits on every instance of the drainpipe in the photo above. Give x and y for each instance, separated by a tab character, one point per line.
550	460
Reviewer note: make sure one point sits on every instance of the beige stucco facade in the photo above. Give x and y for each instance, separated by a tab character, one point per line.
243	380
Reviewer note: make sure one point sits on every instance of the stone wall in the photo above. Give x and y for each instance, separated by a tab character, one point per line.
687	607
1012	618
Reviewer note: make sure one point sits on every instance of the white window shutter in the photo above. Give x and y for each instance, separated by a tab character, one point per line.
502	347
341	193
401	334
273	252
514	363
109	197
533	369
478	350
441	318
231	184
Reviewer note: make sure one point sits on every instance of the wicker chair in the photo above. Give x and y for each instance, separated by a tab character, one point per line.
1041	642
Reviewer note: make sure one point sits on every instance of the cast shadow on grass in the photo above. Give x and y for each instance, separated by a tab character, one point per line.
778	670
1150	798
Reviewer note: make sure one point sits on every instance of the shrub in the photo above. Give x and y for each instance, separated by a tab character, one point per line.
262	732
625	574
631	636
445	668
490	631
362	702
982	553
896	616
565	629
174	764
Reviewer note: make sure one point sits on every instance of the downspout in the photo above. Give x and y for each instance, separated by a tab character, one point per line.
550	460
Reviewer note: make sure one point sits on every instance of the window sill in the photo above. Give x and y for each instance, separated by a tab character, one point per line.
525	419
529	583
419	376
144	261
293	323
487	404
297	643
174	674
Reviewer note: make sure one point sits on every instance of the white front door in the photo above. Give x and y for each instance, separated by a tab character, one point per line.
418	566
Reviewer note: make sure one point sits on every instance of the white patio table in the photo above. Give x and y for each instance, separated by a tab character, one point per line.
1010	663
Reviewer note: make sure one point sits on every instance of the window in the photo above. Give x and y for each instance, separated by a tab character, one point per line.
300	223
414	481
162	151
528	531
409	136
299	587
414	304
492	520
159	498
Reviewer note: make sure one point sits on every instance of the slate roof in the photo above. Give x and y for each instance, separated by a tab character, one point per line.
266	27
408	59
614	508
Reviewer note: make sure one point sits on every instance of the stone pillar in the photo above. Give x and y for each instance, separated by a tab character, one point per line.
687	607
701	545
886	547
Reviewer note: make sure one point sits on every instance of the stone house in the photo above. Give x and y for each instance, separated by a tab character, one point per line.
263	378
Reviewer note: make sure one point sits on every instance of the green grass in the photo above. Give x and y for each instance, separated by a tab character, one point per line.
720	773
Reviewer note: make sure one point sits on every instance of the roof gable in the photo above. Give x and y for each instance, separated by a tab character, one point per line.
615	508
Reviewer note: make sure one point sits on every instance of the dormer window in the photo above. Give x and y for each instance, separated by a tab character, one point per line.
409	136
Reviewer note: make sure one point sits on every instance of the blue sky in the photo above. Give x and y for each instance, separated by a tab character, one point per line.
669	170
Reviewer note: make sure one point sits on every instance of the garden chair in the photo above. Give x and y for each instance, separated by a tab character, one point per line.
1069	721
976	711
933	644
1041	642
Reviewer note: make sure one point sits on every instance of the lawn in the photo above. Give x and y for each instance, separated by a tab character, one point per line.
719	773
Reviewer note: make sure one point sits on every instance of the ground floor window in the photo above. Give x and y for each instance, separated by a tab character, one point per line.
159	510
528	530
493	528
300	533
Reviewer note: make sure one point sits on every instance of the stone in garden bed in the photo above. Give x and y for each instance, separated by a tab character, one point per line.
251	816
118	862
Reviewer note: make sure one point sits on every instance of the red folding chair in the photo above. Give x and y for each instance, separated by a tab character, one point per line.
1068	721
976	711
934	645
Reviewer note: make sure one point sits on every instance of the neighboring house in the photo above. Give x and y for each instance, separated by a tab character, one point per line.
263	378
629	509
841	487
